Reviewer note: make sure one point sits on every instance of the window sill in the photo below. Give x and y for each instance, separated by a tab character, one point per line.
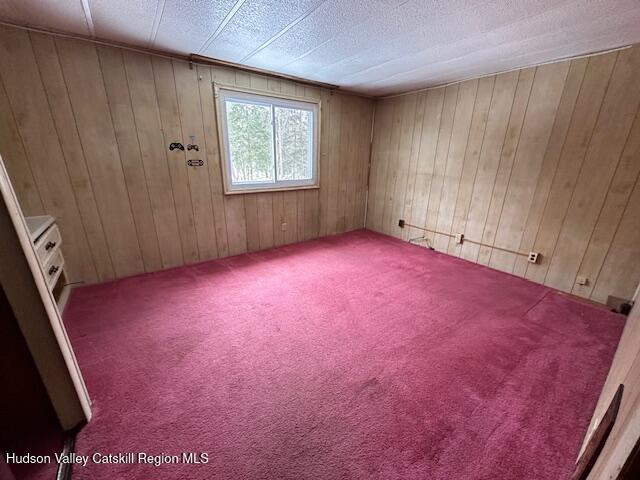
271	189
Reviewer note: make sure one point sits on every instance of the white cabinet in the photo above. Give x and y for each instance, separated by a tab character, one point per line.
46	239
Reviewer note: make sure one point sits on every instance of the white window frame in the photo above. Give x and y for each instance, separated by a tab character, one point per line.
223	92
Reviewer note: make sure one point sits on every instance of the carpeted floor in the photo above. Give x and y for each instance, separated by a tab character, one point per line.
356	356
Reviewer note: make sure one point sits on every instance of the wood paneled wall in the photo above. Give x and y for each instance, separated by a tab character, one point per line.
85	129
542	159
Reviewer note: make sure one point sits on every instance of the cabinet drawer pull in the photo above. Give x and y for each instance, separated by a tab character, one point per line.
53	269
50	245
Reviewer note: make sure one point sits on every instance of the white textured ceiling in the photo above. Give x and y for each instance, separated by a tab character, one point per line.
377	47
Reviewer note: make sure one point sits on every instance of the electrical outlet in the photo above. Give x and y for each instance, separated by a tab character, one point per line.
284	226
401	223
581	280
459	237
533	257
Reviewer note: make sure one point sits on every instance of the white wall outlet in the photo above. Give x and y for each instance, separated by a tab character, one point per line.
284	226
533	257
581	280
459	237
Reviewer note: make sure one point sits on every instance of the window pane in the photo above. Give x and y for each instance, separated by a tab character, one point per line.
294	143
250	142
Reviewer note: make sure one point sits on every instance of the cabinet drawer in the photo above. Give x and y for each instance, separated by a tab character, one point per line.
53	267
48	243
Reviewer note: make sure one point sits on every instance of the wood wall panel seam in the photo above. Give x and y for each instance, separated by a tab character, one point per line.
602	157
579	171
490	157
177	171
33	204
432	144
153	109
455	160
629	176
553	152
507	162
81	69
35	126
546	242
146	115
471	161
144	173
613	236
544	141
544	100
91	244
190	114
139	215
442	157
484	121
190	188
206	98
497	171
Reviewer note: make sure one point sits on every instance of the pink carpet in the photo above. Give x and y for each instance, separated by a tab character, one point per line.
356	356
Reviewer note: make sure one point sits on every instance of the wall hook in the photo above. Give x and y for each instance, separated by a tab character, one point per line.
175	145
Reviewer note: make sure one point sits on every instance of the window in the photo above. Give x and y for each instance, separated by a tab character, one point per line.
268	142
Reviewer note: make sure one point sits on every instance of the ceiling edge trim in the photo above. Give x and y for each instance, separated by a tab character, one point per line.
557	60
97	41
192	59
195	58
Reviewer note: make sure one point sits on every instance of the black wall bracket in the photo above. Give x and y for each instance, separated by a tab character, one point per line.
175	145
